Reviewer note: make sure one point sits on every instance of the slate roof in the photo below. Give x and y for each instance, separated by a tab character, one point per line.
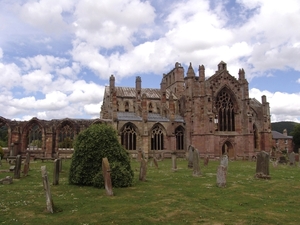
277	135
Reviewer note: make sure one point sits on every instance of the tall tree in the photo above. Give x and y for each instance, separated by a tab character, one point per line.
296	137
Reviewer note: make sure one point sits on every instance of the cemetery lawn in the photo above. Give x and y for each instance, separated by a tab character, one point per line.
165	198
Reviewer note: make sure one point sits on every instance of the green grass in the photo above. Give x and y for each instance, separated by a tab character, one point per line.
165	198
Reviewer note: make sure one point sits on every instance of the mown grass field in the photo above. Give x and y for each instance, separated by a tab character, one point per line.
165	198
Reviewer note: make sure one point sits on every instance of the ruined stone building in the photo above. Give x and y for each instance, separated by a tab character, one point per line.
214	114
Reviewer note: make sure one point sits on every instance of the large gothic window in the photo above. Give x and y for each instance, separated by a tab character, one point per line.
34	137
128	137
179	134
157	138
3	135
66	137
255	137
225	111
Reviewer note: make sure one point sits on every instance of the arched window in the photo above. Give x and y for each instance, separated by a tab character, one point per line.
66	137
225	109
128	137
179	134
157	138
255	137
34	137
3	135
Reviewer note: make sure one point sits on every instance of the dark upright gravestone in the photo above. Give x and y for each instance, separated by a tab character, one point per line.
190	156
196	166
49	201
292	158
18	167
56	171
26	164
262	165
174	165
143	170
106	175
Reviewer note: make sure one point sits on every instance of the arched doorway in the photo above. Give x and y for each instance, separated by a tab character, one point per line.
227	148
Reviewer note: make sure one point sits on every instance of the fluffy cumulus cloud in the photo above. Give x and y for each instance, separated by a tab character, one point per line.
56	58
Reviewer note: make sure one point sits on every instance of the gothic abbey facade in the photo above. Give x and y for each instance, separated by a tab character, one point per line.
215	115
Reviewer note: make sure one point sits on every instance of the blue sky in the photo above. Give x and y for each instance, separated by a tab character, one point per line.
56	58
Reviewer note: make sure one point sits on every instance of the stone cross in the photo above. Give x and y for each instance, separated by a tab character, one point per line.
18	167
196	166
49	201
221	176
143	170
106	175
190	156
56	171
26	164
174	165
262	165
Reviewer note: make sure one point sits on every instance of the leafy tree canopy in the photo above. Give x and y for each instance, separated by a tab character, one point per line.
90	147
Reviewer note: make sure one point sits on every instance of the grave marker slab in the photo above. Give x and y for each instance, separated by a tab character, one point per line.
292	158
143	170
106	175
56	171
26	164
196	166
190	156
174	164
18	167
262	165
221	176
49	201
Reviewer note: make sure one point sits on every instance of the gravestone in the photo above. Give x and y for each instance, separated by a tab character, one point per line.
275	163
60	164
26	164
139	155
56	171
262	165
106	175
206	160
49	201
292	158
18	167
224	161
190	156
143	170
6	180
196	166
174	164
0	161
155	162
221	176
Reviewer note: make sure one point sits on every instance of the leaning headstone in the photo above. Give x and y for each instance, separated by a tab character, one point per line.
262	165
6	180
190	156
196	166
292	158
56	171
224	161
143	170
49	201
174	164
106	175
18	167
221	176
26	164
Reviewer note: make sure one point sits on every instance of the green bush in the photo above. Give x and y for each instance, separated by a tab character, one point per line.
90	147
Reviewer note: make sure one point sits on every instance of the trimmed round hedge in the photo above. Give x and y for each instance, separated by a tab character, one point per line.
90	147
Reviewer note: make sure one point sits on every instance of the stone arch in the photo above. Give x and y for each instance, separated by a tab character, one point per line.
226	106
33	136
180	138
157	137
129	136
227	148
66	131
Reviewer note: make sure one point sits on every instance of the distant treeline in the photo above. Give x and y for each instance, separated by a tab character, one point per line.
280	126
